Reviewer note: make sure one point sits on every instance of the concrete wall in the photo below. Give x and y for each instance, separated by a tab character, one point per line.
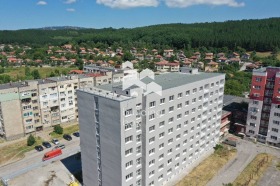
11	113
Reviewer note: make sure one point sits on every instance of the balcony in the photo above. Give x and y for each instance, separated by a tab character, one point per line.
269	86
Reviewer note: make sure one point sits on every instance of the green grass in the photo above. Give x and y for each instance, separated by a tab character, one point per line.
252	170
265	54
208	168
15	72
66	130
16	150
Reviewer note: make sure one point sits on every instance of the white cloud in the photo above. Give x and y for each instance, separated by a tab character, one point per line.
128	3
42	3
187	3
70	10
170	3
70	1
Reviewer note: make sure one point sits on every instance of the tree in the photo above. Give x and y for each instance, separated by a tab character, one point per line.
52	74
58	129
36	74
27	71
31	140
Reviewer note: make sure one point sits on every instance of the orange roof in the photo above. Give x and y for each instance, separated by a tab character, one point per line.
213	63
76	72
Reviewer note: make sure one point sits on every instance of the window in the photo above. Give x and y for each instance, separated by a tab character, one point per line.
257	87
178	136
138	161
186	113
152	116
251	131
128	152
129	164
185	132
253	117
194	90
193	100
152	104
179	106
200	98
171	98
169	161
161	135
161	156
171	109
138	138
274	130
193	119
130	175
162	112
170	141
152	162
200	88
151	140
273	137
128	126
138	149
170	130
169	171
138	172
187	103
277	114
152	128
177	146
258	79
162	100
178	126
160	177
128	112
152	183
161	124
161	146
276	122
169	151
170	120
180	95
179	116
177	156
128	139
187	92
152	151
185	141
193	110
252	124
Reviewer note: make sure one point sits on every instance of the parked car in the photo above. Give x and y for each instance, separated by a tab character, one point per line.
55	141
67	137
230	141
39	148
46	144
77	134
61	146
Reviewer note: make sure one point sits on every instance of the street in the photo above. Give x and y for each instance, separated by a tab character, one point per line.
33	159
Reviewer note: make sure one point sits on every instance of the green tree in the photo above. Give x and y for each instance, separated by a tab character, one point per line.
58	129
36	74
31	140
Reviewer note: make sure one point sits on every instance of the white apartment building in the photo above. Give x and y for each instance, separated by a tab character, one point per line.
129	140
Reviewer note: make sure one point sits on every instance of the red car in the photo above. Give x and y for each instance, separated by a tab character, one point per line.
52	154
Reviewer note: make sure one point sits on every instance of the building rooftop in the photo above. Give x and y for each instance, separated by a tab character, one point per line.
231	103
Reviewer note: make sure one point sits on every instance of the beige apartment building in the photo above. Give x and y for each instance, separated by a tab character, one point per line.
30	106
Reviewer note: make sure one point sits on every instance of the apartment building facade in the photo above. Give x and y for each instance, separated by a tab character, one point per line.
263	120
30	106
148	139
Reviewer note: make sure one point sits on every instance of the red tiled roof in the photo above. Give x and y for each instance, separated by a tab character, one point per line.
76	72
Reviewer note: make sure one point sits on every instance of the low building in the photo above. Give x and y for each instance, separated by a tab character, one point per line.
165	66
238	109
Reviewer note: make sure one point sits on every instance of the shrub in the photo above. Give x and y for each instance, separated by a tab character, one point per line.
31	140
58	129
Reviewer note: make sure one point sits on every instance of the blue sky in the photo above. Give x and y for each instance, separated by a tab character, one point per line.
21	14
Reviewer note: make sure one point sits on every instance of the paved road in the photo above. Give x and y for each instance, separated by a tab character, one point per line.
243	68
246	151
33	159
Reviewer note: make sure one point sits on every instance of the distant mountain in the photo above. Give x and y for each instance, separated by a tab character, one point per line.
62	28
